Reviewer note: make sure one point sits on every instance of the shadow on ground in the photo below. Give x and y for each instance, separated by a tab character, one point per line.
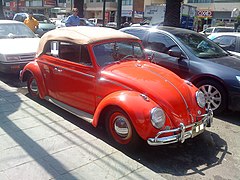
192	157
231	117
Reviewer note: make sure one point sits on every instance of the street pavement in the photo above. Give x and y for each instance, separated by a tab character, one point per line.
39	141
36	143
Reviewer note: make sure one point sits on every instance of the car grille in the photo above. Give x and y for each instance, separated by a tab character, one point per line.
20	57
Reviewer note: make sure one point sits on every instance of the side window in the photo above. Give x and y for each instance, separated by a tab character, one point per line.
227	42
159	42
208	30
85	57
51	48
82	22
69	51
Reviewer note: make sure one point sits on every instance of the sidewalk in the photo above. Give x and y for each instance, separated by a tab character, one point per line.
36	143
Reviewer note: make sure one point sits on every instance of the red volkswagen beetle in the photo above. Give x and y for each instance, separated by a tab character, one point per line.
103	76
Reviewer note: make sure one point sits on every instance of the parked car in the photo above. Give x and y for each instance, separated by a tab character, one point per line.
112	25
18	46
45	24
105	78
83	22
217	29
229	41
197	59
96	21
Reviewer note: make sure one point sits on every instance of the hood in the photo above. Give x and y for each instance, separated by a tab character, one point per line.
161	85
229	61
19	45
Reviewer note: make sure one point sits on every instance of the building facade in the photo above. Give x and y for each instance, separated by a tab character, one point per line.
215	12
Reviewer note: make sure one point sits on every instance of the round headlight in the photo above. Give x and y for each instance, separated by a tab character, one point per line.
158	117
200	99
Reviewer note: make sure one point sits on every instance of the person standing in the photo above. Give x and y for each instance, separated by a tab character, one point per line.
31	22
73	20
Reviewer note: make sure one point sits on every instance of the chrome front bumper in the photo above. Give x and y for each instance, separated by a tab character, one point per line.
196	129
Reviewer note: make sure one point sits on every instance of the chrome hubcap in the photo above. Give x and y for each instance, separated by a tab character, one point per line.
121	126
212	95
33	86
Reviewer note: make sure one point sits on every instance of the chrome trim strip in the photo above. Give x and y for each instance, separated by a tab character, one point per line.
181	130
116	83
81	114
66	69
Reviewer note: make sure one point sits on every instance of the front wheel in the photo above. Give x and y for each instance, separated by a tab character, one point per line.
215	95
33	87
120	128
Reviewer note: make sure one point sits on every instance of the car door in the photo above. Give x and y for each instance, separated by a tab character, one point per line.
160	44
47	63
74	77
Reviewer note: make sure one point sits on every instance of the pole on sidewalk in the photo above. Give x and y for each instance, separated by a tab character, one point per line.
104	7
119	14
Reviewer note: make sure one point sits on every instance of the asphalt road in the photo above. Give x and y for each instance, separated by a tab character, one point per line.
213	155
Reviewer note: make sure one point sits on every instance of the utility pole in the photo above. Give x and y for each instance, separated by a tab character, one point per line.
119	14
104	9
17	6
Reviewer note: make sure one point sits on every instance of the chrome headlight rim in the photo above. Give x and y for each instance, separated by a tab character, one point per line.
200	98
158	117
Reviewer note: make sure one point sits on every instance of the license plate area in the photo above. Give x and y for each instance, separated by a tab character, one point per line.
197	129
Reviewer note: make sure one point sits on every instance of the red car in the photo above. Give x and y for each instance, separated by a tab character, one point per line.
103	76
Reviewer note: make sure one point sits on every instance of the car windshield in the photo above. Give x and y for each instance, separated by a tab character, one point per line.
41	18
201	46
118	51
10	31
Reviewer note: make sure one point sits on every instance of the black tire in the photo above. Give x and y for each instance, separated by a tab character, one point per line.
215	95
32	87
126	139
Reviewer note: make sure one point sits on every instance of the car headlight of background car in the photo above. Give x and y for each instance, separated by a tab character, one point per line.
201	101
158	117
2	58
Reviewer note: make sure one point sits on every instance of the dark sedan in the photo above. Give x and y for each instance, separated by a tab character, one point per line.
196	59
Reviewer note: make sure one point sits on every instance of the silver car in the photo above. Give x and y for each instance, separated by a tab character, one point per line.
18	46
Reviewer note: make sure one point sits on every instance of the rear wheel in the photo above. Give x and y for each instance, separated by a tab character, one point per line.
120	128
215	95
33	87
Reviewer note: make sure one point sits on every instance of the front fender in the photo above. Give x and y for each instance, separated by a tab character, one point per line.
137	108
32	68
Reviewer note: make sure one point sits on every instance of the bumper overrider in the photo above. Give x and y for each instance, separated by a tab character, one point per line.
183	132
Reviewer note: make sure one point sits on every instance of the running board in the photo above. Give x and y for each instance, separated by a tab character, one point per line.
81	114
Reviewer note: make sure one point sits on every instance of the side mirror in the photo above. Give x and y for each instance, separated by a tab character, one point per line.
175	53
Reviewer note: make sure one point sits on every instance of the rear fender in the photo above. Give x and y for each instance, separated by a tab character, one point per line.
136	105
32	68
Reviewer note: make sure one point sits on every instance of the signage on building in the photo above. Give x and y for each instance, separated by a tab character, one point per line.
49	2
204	13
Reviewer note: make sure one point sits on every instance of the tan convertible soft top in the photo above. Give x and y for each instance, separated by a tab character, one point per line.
82	35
